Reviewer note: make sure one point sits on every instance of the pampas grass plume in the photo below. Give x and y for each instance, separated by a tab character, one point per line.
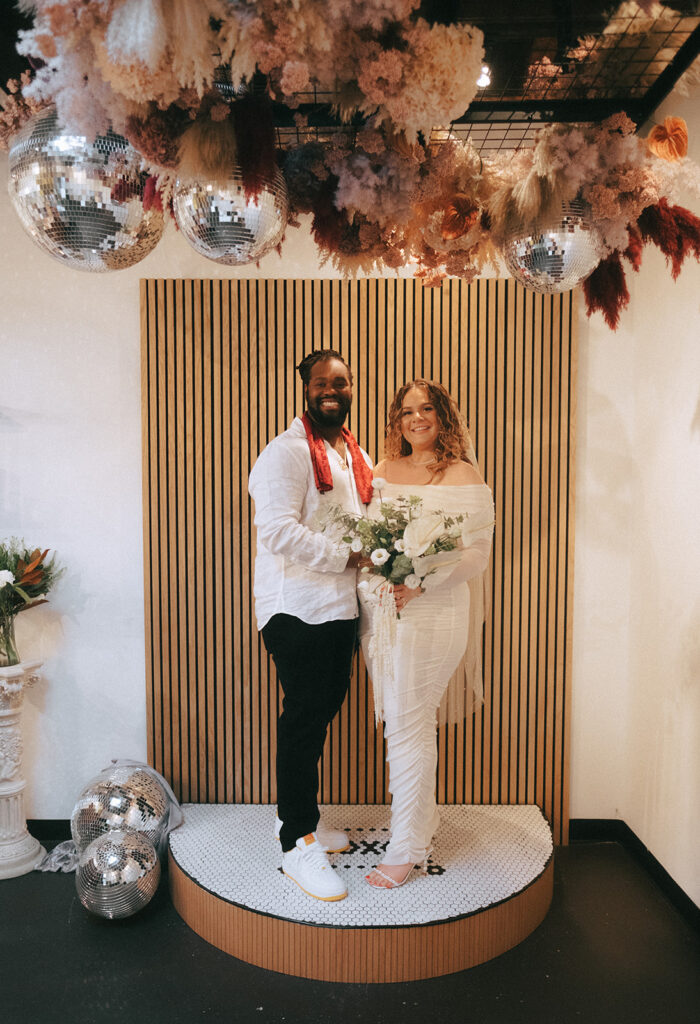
536	198
207	151
137	32
606	290
675	230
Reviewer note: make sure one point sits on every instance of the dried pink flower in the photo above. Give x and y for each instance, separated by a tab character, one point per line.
295	77
604	201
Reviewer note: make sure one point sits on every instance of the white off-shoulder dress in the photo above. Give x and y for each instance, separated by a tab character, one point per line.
430	643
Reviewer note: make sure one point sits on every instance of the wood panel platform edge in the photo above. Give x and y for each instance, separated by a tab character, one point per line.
379	954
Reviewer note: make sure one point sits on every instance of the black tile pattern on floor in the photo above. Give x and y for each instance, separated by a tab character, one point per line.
481	854
612	949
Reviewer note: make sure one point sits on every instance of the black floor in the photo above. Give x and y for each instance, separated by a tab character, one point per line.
612	949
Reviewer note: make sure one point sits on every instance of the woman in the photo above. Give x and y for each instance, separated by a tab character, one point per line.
428	454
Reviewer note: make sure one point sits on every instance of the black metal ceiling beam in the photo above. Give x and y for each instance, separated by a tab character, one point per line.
564	111
318	115
669	76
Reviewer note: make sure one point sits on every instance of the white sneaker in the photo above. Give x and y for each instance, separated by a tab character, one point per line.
331	839
307	865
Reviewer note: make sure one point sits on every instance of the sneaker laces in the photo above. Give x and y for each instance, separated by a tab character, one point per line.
315	855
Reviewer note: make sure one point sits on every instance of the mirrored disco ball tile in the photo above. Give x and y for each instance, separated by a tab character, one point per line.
121	797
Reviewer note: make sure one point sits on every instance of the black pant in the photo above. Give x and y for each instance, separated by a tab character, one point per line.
313	665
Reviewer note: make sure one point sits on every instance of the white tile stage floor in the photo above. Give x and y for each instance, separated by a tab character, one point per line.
481	856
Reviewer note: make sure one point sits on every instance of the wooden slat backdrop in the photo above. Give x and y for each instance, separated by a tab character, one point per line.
218	381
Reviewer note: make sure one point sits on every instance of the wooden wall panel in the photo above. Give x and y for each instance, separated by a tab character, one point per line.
218	381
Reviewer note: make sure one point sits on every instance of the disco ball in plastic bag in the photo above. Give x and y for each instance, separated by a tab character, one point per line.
121	797
80	201
117	875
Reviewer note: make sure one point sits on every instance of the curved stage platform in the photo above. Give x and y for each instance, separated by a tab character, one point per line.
488	886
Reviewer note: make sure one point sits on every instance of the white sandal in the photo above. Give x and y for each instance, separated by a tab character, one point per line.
393	883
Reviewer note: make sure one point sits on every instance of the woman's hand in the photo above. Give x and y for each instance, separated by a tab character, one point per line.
403	594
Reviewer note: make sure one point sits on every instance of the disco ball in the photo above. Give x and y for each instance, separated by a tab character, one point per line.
80	201
225	226
121	797
117	874
555	256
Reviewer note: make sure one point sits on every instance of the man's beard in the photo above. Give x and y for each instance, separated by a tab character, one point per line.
328	417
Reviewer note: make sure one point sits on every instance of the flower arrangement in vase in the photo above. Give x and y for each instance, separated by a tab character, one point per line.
26	576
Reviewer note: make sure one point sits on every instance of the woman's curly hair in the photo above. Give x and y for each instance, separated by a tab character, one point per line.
451	442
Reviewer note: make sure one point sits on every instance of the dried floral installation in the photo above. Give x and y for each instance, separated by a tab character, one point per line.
175	78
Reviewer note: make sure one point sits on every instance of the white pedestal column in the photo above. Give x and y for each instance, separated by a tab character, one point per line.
19	852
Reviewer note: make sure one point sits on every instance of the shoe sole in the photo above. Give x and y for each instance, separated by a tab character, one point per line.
336	849
324	899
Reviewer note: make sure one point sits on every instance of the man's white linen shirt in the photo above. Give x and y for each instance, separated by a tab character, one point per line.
299	570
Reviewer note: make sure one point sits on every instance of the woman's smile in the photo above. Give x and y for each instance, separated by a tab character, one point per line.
419	419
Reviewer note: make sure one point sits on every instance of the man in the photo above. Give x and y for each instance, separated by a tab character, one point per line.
306	604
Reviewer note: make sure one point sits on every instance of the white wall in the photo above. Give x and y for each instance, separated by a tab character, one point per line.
636	672
70	478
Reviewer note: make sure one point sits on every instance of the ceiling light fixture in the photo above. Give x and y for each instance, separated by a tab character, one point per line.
484	78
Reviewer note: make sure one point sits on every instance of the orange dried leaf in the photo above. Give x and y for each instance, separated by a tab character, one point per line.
460	215
36	559
432	280
30	578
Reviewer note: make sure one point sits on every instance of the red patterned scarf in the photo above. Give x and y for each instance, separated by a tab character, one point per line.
322	469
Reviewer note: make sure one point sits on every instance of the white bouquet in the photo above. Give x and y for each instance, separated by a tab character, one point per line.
400	539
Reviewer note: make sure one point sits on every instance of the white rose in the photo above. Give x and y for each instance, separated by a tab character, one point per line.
378	483
356	544
421	533
412	581
399	545
380	556
5	578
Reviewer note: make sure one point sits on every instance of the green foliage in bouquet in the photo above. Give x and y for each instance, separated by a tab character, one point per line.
401	533
26	576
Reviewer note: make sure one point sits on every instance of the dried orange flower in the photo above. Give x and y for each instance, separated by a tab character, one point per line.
460	215
670	139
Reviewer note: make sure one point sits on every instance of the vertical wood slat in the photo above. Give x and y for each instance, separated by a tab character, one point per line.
219	381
